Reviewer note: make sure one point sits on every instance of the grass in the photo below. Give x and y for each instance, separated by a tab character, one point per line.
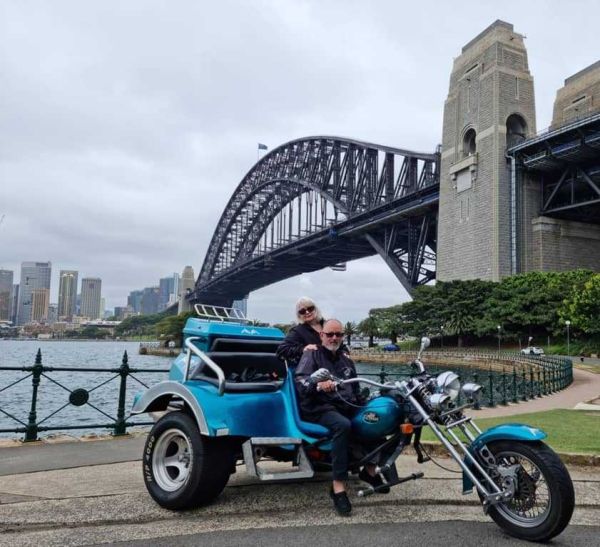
574	431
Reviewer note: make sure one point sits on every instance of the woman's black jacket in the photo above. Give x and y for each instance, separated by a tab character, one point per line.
297	338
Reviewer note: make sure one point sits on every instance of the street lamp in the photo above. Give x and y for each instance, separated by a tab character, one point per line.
499	329
568	323
442	335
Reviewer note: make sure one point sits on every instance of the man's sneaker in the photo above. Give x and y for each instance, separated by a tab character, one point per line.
341	503
373	481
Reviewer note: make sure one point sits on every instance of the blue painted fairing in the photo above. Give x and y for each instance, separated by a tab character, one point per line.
503	432
207	331
252	414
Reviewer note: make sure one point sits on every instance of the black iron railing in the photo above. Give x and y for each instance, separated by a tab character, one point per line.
505	378
78	397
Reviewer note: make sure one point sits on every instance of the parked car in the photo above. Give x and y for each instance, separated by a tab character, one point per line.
390	347
356	346
532	350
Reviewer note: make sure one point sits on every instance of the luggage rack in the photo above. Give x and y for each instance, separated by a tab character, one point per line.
220	313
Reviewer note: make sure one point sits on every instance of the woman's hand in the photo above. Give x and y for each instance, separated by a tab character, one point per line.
310	347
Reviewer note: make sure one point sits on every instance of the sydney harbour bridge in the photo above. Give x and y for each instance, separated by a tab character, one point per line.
320	201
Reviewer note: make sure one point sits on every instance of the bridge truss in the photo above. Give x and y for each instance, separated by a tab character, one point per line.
319	201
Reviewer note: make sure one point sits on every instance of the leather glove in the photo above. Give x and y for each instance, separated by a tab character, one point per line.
320	376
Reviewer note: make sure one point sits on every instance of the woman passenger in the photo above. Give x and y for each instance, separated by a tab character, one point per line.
305	335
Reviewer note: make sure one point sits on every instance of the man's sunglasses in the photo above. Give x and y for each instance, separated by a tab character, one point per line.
304	311
332	334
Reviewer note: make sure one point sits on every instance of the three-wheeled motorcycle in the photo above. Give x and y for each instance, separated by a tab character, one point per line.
229	398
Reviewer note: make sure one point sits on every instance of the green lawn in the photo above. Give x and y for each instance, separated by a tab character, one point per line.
575	431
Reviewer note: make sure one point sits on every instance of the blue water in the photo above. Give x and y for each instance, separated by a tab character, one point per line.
55	386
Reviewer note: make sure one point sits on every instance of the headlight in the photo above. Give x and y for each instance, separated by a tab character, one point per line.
439	401
449	383
471	391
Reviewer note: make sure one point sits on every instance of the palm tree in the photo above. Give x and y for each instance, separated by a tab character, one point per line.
350	329
368	327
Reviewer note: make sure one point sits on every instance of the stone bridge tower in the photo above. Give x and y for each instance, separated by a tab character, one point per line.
490	105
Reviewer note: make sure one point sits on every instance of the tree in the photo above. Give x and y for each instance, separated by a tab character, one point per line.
351	330
171	327
368	327
583	309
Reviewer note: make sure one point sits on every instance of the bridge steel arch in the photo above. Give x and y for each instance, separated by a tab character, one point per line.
318	201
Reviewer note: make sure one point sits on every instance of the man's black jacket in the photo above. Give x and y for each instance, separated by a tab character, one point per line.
314	403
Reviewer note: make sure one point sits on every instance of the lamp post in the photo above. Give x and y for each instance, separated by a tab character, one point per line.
499	329
442	335
568	323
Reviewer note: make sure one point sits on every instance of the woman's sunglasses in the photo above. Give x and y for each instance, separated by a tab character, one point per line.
304	311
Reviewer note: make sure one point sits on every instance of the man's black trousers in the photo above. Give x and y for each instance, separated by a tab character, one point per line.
340	427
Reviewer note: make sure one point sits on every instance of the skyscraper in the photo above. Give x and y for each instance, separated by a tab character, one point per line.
169	290
91	293
187	284
134	301
150	300
6	291
67	294
40	300
34	275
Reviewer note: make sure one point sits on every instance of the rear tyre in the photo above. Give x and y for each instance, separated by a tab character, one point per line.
544	500
183	469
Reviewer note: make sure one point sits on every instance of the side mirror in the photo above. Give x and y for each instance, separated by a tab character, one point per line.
425	343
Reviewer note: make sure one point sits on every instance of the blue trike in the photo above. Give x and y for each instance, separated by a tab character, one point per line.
230	399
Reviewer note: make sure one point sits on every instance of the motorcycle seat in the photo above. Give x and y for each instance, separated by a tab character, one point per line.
308	428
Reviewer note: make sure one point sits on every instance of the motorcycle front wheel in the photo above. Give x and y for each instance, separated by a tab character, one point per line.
544	497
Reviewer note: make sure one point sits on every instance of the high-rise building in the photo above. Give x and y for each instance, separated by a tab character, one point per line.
40	301
169	290
134	301
91	294
67	294
15	303
6	295
150	300
34	275
241	305
52	313
185	286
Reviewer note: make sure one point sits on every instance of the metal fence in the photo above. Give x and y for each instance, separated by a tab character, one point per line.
77	397
505	378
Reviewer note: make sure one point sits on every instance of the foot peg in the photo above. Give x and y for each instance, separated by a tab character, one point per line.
371	490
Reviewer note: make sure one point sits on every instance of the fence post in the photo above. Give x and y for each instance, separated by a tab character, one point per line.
491	383
531	386
476	405
524	385
545	383
504	399
120	427
32	427
383	374
515	399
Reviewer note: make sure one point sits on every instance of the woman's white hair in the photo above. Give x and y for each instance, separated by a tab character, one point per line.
303	302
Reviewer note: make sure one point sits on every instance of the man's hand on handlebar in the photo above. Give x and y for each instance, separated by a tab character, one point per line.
327	386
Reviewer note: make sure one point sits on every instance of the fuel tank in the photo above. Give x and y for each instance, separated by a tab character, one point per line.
378	418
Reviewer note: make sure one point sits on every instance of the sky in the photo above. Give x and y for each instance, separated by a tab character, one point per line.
126	126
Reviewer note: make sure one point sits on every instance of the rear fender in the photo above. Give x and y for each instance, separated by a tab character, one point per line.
503	432
158	397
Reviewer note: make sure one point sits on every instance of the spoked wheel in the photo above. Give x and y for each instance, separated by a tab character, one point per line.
183	469
544	498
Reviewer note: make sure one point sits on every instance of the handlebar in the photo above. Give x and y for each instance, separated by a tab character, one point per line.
365	381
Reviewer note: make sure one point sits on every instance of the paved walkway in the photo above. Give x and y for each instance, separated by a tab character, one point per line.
584	389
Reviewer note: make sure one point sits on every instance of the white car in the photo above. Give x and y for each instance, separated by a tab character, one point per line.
532	350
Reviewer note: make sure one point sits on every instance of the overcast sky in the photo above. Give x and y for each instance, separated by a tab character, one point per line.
126	125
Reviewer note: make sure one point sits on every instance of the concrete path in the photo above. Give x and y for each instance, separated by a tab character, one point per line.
585	388
109	504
